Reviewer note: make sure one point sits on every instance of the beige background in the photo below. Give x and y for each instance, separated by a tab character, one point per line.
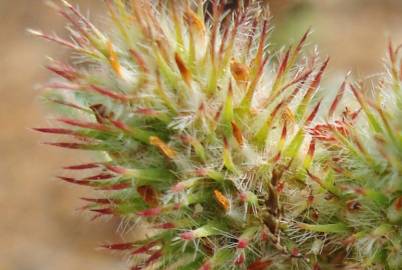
39	228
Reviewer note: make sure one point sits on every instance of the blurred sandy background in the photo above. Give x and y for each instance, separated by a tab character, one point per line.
39	228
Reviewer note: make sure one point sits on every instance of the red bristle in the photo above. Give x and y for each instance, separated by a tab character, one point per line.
165	226
259	265
75	22
337	99
262	44
82	124
139	60
313	114
118	186
63	86
71	145
101	176
61	131
68	104
311	148
63	70
82	166
75	181
155	256
56	39
301	78
118	246
146	111
144	249
100	201
323	132
284	63
110	94
119	124
259	72
104	211
151	212
85	207
302	41
314	178
296	90
116	169
317	79
82	18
